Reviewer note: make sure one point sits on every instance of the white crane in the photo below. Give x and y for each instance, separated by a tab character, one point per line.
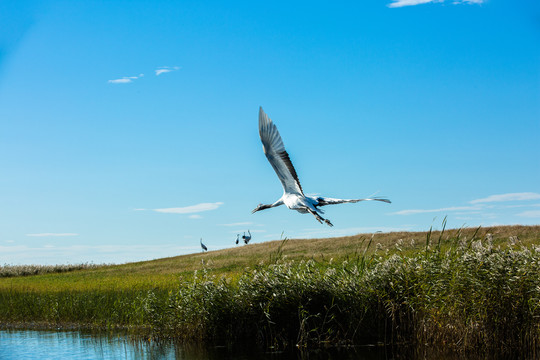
204	248
246	237
293	195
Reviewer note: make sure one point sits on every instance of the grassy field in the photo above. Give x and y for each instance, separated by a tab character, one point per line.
462	288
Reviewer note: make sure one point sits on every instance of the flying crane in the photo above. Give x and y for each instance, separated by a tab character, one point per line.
293	195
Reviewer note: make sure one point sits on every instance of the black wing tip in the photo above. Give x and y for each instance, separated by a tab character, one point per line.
263	118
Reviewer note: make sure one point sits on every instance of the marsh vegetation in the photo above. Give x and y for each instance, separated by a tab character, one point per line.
464	289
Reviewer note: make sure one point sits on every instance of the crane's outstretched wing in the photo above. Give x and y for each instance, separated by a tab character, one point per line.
322	201
277	156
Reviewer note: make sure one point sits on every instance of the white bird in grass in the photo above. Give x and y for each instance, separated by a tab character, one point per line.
293	195
204	248
246	237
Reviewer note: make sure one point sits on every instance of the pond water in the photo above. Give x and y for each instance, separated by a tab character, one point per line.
33	344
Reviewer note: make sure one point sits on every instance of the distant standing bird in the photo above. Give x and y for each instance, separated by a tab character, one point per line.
237	238
293	195
246	237
204	248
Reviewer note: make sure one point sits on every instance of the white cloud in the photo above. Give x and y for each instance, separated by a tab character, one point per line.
423	211
507	197
139	209
322	233
195	216
52	234
238	224
74	254
242	231
165	69
478	205
402	3
191	209
125	79
530	214
518	206
275	236
121	81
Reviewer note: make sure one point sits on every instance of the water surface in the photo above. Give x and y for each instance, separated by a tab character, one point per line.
34	344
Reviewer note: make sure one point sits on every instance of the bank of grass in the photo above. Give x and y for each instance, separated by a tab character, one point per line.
462	288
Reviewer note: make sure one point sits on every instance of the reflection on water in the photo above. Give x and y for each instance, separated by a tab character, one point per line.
32	344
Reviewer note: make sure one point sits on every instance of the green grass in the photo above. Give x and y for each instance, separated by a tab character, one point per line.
462	288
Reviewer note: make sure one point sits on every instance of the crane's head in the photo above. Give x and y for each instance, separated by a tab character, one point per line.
260	207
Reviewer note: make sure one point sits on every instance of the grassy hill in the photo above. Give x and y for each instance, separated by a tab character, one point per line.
164	273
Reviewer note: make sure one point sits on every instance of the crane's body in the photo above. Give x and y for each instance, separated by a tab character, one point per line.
203	247
246	237
293	195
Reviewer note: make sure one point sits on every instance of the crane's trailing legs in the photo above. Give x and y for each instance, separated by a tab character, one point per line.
319	218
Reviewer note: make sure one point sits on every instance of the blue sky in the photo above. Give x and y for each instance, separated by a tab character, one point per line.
129	128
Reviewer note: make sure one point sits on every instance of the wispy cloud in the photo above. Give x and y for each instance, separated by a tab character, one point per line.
321	233
125	79
479	205
518	206
191	209
446	209
46	254
469	1
250	230
52	234
275	236
165	69
507	197
238	224
402	3
195	216
530	214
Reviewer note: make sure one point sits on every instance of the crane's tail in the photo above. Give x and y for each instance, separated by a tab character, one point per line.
380	199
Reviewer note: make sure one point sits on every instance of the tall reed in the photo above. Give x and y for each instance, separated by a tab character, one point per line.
468	296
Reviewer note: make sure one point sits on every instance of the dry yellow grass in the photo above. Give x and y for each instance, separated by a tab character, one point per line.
323	249
164	273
